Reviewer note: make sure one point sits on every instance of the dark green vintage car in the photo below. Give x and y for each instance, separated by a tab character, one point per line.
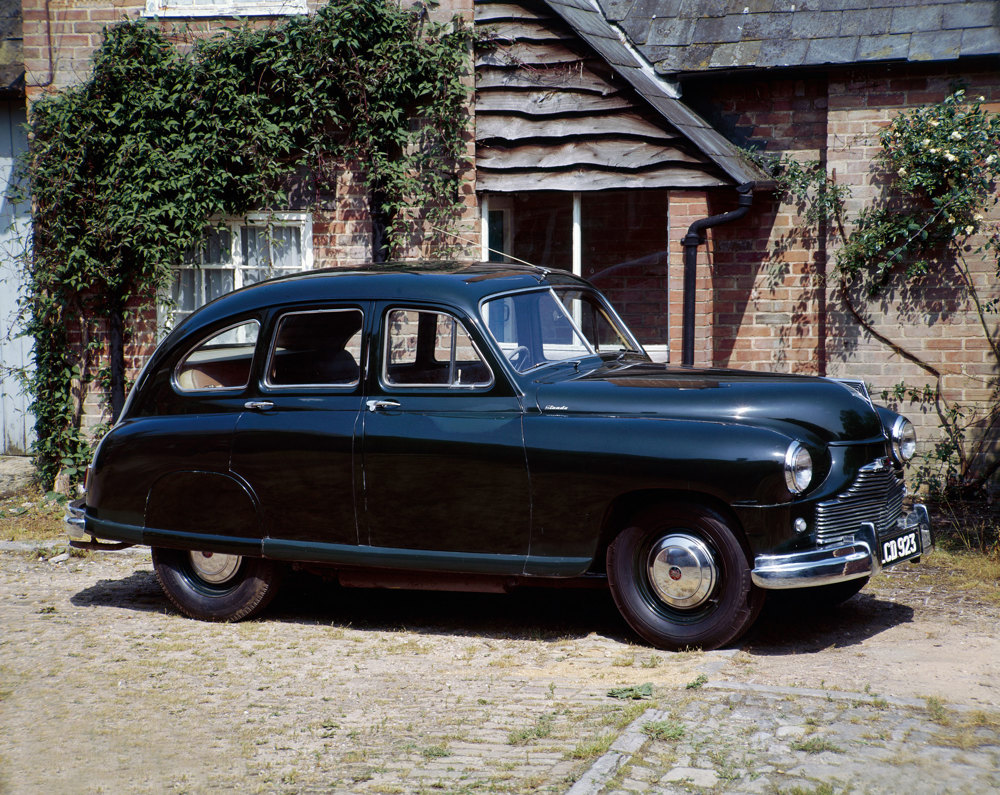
483	427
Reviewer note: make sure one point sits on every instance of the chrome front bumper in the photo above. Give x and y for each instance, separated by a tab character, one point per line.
828	565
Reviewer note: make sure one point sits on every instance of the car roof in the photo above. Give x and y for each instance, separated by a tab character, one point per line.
459	284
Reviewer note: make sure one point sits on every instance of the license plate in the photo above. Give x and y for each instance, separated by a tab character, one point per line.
901	547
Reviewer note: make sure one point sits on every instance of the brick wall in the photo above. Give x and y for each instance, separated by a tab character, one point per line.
771	305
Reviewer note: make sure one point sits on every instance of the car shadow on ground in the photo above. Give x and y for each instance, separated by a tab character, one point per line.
784	627
528	613
787	626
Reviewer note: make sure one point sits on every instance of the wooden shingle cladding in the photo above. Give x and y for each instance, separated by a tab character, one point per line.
552	115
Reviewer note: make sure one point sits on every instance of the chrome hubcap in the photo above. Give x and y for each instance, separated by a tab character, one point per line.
682	570
214	567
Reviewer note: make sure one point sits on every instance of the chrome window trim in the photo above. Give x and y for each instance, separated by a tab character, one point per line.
265	382
221	389
383	376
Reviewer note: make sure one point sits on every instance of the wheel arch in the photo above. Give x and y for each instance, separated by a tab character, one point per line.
624	507
198	501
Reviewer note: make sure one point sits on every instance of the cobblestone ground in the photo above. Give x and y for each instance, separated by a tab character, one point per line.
732	738
104	688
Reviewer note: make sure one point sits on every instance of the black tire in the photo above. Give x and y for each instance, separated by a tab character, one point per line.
822	597
237	588
717	612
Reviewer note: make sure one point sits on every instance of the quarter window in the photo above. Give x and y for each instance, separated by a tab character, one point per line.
431	349
220	362
320	348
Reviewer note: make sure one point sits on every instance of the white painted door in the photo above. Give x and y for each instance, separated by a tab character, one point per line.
17	428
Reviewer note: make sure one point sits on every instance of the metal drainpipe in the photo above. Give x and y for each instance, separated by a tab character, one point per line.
691	241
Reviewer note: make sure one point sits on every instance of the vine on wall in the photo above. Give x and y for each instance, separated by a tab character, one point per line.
939	166
127	169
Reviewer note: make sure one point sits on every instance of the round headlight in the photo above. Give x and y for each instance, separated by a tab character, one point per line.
798	468
904	440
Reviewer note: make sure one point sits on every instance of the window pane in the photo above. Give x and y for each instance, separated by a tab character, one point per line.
533	329
317	348
267	248
431	349
594	321
624	240
220	362
542	229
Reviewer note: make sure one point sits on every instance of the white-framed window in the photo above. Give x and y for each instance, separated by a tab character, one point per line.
224	8
238	252
617	239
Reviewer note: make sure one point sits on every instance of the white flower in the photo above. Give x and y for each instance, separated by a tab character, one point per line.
991	158
902	172
970	229
934	123
982	99
977	217
934	151
950	157
925	142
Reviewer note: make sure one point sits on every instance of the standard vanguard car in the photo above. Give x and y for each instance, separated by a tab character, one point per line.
482	427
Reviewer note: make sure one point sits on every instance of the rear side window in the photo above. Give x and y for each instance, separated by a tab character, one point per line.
321	348
431	349
221	361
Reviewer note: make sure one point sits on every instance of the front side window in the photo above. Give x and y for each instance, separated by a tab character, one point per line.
222	361
321	348
238	253
431	349
546	326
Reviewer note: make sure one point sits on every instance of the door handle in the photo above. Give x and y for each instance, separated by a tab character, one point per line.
375	405
258	405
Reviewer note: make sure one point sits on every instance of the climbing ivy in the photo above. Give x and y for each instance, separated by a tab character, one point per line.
128	169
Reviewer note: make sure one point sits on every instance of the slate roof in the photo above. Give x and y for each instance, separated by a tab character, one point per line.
684	36
587	21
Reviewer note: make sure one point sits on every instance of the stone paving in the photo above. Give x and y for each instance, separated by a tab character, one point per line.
104	688
732	737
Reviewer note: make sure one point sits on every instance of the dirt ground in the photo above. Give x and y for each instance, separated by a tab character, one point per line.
104	688
901	636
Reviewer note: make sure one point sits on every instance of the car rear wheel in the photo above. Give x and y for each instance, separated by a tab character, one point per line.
681	579
214	586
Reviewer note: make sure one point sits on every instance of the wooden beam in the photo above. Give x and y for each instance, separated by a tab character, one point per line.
513	128
528	31
591	180
490	12
548	102
530	54
622	154
569	78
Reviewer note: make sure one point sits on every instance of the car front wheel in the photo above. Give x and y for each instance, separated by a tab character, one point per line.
214	586
681	578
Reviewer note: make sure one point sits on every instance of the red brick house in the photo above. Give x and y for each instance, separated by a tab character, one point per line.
605	128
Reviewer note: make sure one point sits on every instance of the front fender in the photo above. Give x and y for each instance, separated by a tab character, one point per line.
580	465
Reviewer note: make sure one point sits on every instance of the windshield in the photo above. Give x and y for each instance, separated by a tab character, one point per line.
546	326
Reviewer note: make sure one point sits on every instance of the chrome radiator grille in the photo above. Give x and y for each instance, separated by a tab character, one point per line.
876	496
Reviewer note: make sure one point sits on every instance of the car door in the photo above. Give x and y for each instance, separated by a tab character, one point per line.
295	441
444	466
